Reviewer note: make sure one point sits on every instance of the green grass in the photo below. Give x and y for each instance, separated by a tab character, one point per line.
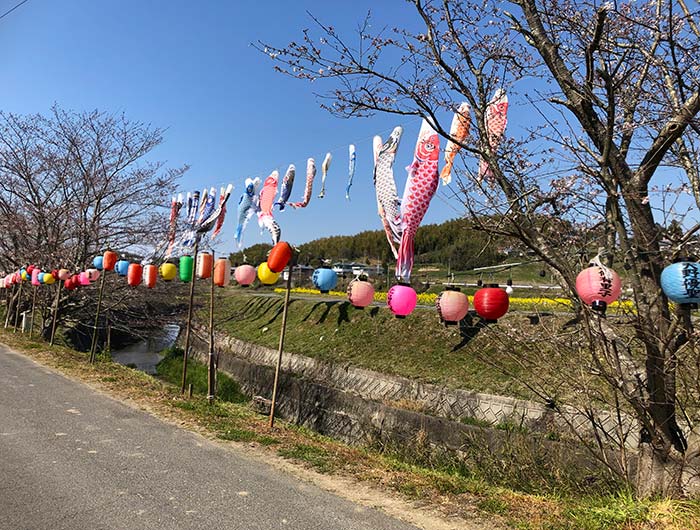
170	369
418	347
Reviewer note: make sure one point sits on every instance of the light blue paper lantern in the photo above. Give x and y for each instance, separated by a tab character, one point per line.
122	267
324	279
681	282
97	262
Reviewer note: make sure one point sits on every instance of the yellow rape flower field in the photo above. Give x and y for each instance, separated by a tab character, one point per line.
540	303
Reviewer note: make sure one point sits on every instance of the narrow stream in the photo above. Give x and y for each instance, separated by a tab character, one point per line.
145	354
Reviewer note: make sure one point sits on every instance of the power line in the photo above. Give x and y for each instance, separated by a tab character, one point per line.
11	10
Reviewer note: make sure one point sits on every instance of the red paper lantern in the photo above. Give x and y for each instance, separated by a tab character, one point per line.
402	300
452	306
134	274
491	303
54	273
150	276
30	269
109	260
279	256
360	293
598	286
69	283
245	275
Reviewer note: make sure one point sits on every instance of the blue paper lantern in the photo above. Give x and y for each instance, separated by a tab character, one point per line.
122	267
97	262
681	282
40	277
324	279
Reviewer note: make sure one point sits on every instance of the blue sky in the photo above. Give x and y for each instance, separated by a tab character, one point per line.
189	67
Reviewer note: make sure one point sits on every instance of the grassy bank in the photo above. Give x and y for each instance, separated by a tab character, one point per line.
454	490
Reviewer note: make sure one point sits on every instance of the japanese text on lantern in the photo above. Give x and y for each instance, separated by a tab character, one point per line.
691	279
605	288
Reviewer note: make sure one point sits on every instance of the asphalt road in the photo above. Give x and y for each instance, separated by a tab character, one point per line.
71	458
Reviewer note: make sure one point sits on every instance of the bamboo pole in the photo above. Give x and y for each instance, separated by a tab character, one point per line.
281	345
93	346
55	313
211	377
31	324
189	317
19	300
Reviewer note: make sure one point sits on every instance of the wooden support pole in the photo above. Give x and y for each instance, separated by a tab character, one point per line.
211	377
93	346
9	307
281	345
55	312
189	317
31	324
19	302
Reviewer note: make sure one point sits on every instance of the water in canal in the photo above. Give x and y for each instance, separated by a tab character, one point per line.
145	354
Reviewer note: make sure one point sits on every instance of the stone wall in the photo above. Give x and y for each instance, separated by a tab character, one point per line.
432	400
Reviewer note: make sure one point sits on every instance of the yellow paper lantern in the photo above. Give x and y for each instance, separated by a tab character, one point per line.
49	279
168	271
266	276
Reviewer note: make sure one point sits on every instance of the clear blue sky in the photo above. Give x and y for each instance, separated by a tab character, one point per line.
189	67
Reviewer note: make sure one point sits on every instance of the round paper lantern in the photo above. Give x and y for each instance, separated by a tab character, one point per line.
54	273
30	270
98	262
134	274
122	267
266	276
63	274
360	293
168	271
402	300
93	274
40	277
222	272
25	275
109	260
279	256
49	278
598	286
245	275
491	303
150	275
83	278
204	262
324	279
69	284
681	282
35	276
186	268
452	306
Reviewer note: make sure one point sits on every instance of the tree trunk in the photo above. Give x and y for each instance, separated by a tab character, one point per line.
669	474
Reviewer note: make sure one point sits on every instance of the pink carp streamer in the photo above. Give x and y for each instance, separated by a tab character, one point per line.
459	130
310	175
421	185
267	199
496	121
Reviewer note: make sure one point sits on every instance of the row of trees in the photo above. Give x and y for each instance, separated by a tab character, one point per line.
608	96
452	242
73	184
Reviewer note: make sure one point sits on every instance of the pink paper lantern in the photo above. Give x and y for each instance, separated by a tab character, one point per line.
245	275
402	300
35	276
83	278
452	306
63	274
598	286
360	293
93	274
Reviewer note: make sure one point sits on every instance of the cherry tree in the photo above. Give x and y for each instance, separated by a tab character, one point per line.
605	163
